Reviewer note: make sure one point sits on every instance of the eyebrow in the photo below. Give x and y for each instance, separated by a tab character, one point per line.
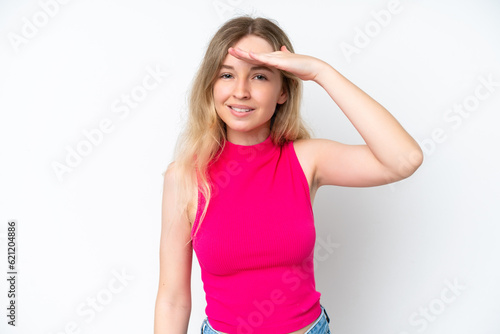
253	68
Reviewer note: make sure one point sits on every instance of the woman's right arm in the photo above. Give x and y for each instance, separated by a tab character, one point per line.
173	301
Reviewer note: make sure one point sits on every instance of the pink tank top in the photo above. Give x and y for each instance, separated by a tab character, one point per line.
255	245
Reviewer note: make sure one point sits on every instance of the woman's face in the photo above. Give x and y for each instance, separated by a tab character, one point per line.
246	95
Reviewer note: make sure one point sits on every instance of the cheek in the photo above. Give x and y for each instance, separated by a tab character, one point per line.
267	96
220	93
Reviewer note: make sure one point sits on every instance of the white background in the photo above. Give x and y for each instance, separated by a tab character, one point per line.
397	245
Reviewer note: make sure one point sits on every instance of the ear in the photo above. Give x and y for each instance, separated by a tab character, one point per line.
283	96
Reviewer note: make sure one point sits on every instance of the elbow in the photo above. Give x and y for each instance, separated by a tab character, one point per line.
419	157
409	163
179	304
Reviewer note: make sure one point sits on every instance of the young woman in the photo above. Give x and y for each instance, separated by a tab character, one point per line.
246	171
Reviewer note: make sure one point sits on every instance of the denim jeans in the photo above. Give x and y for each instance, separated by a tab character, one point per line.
319	326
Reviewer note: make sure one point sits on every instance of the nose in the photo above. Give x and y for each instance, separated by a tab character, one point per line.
241	90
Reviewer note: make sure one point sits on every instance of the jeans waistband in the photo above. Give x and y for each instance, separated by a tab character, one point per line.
326	314
206	323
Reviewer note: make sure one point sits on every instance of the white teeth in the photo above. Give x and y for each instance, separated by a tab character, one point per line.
240	110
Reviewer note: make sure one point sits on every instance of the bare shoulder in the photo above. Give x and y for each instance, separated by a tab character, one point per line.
308	144
303	148
171	177
171	213
306	151
314	154
309	149
170	171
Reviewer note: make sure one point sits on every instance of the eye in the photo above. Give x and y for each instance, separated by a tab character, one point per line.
260	77
225	76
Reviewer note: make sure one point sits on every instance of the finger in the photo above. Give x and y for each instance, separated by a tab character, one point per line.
239	53
249	57
233	52
255	56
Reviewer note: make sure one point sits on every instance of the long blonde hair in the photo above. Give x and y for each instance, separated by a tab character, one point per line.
205	133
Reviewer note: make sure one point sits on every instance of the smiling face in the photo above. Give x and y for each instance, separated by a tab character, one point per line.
246	95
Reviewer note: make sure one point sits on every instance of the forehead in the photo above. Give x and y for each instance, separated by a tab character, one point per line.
254	43
249	43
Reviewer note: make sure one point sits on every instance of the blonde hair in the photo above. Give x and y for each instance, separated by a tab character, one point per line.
205	134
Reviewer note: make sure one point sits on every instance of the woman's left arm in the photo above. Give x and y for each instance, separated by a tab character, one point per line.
390	153
387	140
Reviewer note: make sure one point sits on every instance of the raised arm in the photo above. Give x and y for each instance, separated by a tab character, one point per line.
390	153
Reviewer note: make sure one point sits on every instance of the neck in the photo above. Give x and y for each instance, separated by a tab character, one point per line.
248	138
